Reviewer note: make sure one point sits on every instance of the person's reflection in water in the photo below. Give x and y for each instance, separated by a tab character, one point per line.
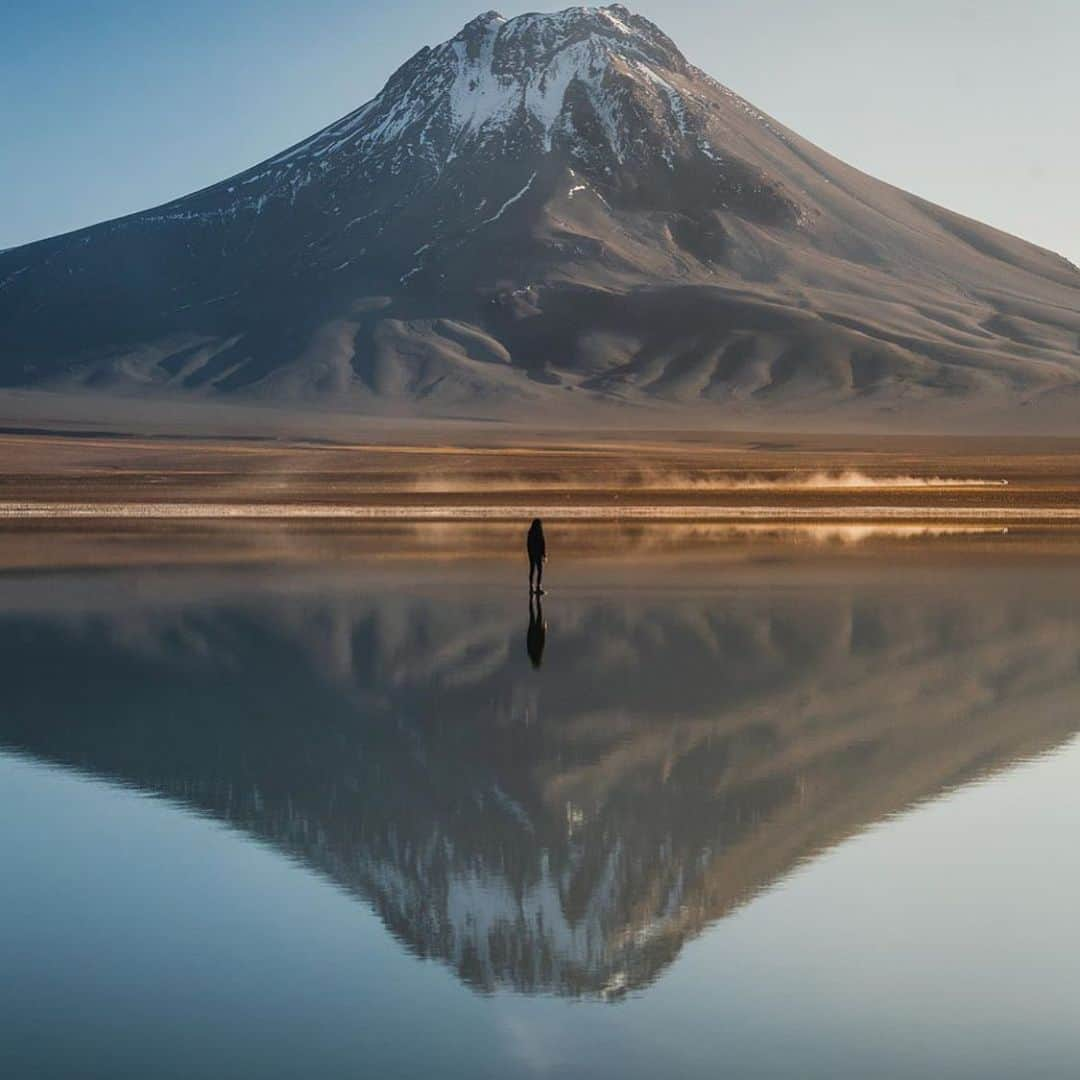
534	640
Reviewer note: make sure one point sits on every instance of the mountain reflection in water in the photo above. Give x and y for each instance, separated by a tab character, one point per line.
564	828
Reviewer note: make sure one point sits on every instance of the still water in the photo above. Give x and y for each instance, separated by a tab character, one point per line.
791	821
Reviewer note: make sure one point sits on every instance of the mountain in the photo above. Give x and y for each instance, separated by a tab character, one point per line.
555	210
569	830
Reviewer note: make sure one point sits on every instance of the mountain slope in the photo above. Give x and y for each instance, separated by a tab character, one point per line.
550	209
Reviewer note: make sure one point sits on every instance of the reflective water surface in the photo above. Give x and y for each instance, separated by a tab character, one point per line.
801	820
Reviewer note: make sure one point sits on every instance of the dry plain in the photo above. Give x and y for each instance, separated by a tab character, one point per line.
461	490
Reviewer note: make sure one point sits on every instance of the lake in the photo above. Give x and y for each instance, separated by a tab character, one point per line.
769	818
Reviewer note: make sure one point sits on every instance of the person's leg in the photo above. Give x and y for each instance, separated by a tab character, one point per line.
532	572
540	576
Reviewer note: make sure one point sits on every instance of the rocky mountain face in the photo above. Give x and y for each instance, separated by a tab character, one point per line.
551	209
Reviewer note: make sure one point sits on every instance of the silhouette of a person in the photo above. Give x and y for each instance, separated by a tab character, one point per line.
537	635
537	549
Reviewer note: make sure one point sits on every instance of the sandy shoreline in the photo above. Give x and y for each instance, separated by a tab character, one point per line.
419	511
79	499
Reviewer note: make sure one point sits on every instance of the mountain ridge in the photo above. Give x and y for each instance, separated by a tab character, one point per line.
547	209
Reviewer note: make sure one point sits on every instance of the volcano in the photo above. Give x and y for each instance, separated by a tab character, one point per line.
545	212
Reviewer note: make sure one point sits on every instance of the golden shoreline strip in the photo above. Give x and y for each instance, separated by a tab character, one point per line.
12	511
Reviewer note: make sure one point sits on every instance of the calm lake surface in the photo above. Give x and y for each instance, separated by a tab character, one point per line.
792	820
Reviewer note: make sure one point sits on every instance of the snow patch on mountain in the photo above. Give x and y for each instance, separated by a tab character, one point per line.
510	202
674	98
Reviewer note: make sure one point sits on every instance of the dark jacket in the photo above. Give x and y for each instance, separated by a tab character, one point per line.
535	544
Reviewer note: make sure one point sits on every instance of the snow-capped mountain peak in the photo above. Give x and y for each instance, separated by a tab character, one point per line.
536	72
551	207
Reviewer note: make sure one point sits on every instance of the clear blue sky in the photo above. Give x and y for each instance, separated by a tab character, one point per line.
111	106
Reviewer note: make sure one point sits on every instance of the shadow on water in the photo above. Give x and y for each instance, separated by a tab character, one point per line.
684	749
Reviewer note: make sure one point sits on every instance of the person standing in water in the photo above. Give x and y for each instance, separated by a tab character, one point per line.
537	549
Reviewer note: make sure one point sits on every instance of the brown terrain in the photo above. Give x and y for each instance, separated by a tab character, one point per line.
76	497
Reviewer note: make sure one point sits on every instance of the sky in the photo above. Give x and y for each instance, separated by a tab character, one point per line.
113	106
